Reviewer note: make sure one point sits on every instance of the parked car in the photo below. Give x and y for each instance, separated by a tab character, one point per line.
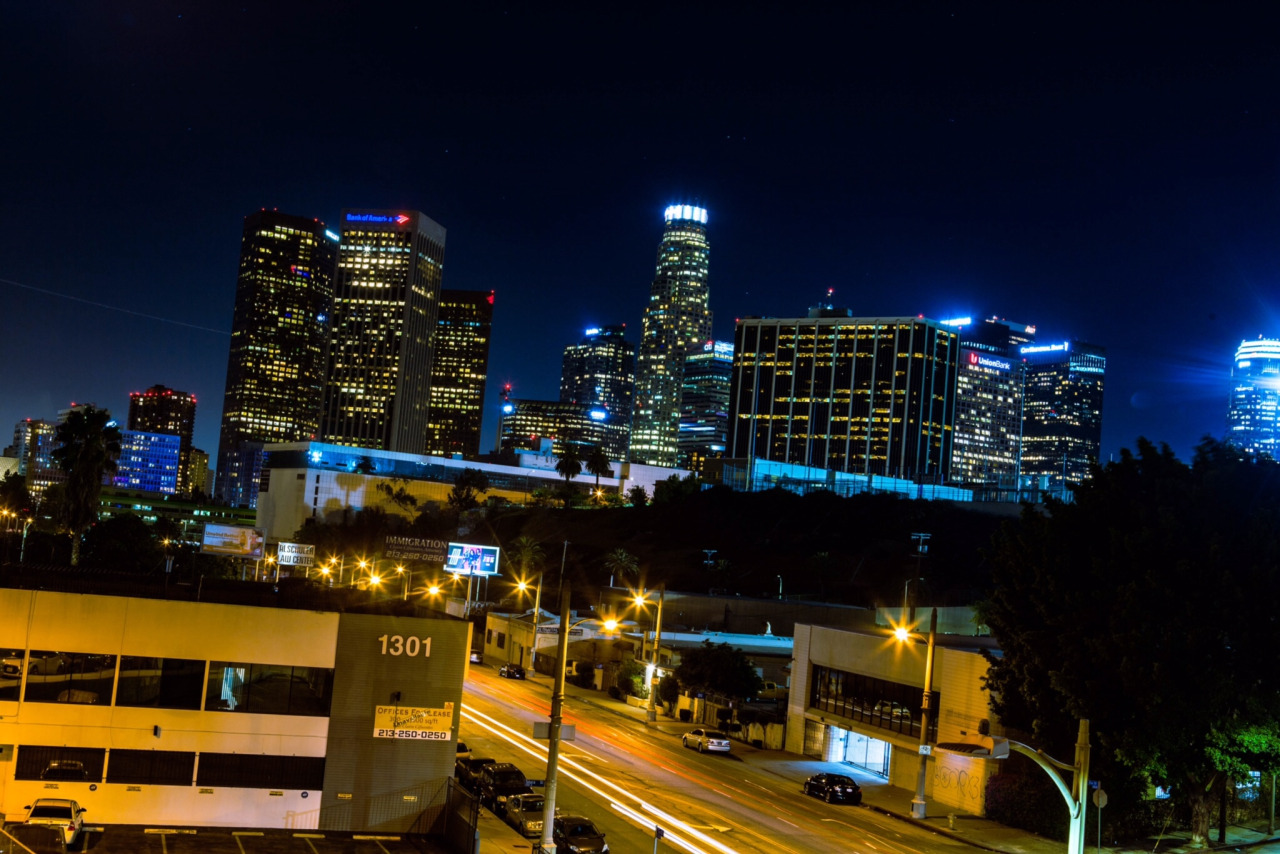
477	657
464	752
834	787
58	812
578	834
511	671
65	770
467	771
500	781
706	739
772	691
524	813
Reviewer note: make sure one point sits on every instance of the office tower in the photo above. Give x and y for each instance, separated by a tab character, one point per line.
1061	413
704	405
865	395
33	448
601	370
528	425
676	319
987	440
1253	414
386	304
198	469
279	335
160	409
458	373
148	462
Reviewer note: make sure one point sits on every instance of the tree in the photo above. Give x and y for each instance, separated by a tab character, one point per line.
637	496
468	486
598	464
1137	605
396	493
526	553
86	446
718	668
621	562
675	488
568	467
123	543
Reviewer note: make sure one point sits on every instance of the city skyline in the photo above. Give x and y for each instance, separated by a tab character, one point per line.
1113	186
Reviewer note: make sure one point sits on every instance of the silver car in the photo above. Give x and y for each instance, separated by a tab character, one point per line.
524	813
706	739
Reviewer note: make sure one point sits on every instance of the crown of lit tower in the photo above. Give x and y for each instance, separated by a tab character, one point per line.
1253	416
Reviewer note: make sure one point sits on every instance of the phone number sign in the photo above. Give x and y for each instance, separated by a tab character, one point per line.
413	723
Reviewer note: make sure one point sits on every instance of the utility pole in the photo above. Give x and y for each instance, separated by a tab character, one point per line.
651	715
553	731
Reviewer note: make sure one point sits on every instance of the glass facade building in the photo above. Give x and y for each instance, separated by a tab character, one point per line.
831	391
459	371
1062	413
33	449
676	319
1253	416
386	306
600	370
160	409
526	424
148	462
279	335
704	405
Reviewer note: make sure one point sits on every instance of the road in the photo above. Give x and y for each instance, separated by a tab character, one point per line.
628	778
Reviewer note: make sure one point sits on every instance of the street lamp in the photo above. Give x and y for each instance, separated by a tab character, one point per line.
651	711
537	613
918	809
406	580
547	843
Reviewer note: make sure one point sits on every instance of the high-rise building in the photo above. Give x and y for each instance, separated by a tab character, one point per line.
198	468
33	448
988	422
526	425
148	462
676	319
279	336
1253	415
600	370
386	304
704	405
1062	413
458	373
868	395
161	409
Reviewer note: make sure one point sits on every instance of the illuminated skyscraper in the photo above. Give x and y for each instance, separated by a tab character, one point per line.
1062	413
600	370
458	373
526	425
874	396
386	304
1253	417
160	409
279	335
33	448
676	319
704	405
148	462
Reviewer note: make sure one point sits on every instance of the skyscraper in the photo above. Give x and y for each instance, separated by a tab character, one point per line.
386	304
1253	415
148	462
458	373
279	335
704	405
1062	413
161	409
600	370
851	394
676	319
33	448
526	425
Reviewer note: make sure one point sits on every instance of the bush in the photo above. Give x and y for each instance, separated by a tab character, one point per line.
1029	803
686	715
723	716
615	692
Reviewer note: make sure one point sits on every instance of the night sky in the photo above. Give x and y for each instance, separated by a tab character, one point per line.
1106	172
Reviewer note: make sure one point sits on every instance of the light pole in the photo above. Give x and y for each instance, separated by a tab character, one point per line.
918	808
537	612
405	580
547	843
651	712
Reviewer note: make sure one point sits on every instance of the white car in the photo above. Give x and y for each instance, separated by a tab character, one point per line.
706	739
524	813
58	812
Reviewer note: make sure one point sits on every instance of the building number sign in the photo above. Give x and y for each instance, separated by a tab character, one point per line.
407	646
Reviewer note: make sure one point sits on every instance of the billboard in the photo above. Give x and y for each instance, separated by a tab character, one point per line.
413	722
295	554
466	559
414	548
233	541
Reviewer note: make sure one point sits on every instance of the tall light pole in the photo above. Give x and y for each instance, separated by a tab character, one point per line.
651	713
918	809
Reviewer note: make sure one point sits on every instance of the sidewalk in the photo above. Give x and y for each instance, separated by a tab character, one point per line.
880	796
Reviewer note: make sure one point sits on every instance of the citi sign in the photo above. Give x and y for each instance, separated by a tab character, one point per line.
987	362
398	219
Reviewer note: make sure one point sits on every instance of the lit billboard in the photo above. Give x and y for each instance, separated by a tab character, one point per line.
466	559
233	541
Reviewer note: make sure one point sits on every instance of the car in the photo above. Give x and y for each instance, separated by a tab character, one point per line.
511	671
57	812
772	691
706	739
464	752
578	833
500	781
834	787
467	771
524	813
66	770
477	657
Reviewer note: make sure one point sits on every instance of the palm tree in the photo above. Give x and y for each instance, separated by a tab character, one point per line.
86	446
598	465
527	554
621	562
568	467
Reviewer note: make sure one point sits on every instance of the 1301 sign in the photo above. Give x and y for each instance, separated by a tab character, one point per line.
409	646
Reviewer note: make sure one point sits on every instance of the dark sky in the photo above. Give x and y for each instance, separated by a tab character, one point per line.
1106	172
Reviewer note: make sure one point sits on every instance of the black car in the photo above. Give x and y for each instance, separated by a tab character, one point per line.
500	781
578	834
511	671
468	771
834	787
